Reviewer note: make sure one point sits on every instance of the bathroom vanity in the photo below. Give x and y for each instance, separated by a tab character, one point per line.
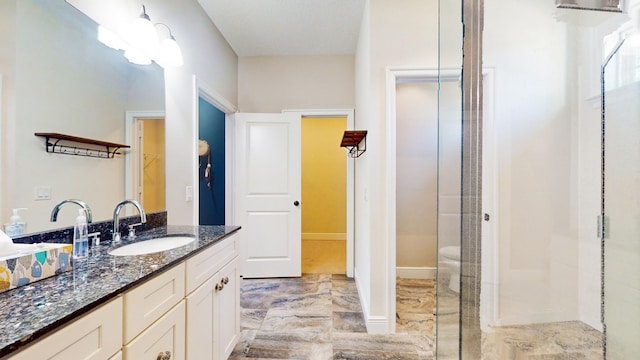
182	303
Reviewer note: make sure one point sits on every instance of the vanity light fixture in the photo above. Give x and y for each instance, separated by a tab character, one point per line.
143	46
169	54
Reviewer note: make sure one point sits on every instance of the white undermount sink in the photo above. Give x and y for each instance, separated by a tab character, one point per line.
152	245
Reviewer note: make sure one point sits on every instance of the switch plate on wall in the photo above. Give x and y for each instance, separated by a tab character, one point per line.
42	193
189	193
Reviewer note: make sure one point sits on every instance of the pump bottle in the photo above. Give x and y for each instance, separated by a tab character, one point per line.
80	236
16	225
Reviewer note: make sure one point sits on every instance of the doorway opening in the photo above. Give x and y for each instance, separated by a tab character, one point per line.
349	186
424	201
151	137
211	163
324	196
145	178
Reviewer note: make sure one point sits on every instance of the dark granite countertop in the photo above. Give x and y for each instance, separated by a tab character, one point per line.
35	310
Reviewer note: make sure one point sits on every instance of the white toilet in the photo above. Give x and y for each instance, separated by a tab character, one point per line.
450	263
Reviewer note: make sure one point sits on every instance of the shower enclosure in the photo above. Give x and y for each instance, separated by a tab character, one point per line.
550	192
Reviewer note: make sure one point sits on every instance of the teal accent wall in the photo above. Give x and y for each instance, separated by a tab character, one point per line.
211	127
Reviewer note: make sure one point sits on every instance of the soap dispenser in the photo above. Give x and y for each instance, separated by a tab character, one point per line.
80	236
16	225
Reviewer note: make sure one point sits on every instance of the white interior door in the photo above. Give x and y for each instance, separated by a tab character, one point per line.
268	188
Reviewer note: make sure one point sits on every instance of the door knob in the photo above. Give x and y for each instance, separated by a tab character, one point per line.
296	203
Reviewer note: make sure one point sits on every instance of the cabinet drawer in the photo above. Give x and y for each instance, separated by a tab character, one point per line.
165	335
95	336
146	303
202	266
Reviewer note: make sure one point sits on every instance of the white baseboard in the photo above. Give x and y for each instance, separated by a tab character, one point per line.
324	236
536	318
375	324
416	272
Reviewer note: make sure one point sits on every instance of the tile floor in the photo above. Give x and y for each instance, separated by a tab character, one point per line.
560	340
318	316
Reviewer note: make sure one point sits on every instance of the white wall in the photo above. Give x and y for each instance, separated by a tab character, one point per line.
362	263
395	33
416	174
537	157
207	55
273	83
7	83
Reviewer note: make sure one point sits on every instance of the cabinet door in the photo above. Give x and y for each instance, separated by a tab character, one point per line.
213	315
95	336
200	319
227	310
164	337
117	356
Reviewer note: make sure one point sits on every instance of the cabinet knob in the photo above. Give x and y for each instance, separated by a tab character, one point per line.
225	280
165	355
219	287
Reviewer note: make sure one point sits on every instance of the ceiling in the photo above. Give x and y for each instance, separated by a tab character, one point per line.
287	27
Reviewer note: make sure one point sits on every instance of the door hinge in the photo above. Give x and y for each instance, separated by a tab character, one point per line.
603	227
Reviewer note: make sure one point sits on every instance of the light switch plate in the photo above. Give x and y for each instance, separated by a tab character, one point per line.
42	193
189	193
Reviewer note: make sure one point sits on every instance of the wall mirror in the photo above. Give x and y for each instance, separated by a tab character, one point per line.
57	77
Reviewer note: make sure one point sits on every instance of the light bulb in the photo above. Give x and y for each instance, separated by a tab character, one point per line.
170	54
143	35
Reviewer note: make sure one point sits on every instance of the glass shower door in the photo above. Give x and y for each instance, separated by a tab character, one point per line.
621	204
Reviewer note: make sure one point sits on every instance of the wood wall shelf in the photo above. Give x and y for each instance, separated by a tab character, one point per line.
352	140
69	145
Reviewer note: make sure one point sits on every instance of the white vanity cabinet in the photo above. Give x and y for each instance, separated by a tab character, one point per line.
95	336
189	311
213	306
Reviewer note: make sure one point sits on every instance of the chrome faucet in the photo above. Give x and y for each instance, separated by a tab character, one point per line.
82	204
116	230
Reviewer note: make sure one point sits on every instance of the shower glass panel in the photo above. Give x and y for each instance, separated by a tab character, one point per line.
621	201
449	219
449	180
